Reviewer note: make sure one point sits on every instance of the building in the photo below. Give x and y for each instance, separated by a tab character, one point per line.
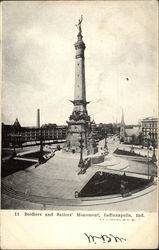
17	135
12	134
149	126
79	124
133	134
130	134
54	132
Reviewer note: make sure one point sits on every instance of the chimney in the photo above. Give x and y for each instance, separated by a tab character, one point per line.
38	118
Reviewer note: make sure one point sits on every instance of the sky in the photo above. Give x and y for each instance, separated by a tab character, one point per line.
38	60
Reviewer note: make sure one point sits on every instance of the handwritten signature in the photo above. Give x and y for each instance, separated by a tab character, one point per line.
104	238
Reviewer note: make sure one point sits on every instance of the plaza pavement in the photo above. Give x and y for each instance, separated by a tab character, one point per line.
58	178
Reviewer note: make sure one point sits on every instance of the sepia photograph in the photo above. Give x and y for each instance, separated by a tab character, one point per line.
79	116
79	124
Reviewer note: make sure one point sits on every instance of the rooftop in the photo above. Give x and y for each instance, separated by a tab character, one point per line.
149	119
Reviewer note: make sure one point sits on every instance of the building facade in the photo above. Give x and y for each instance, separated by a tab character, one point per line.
149	126
17	135
130	134
133	134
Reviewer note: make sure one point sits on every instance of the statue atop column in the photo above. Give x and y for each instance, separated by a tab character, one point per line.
79	25
79	120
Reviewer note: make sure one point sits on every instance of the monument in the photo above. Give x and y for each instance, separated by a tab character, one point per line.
79	124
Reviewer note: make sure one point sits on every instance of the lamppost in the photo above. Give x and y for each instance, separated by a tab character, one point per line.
105	143
85	132
154	159
13	140
14	151
132	149
105	137
81	162
41	147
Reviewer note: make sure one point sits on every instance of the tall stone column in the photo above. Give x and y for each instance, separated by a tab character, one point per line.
80	89
79	121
